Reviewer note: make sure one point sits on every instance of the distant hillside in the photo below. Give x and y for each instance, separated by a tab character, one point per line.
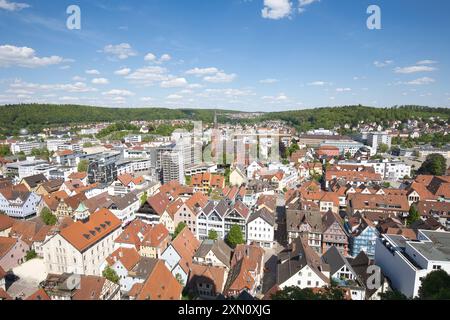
36	116
328	118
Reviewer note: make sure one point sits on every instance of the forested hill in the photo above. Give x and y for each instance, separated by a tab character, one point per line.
330	117
36	116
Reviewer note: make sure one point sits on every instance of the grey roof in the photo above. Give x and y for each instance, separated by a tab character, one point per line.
220	249
437	248
33	181
222	208
296	218
263	214
296	258
359	265
144	267
335	260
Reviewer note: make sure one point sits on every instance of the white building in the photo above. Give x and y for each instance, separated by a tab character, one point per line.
389	170
19	204
26	147
261	228
83	246
407	262
374	139
301	267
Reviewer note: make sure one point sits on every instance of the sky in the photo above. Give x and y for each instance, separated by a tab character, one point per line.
247	55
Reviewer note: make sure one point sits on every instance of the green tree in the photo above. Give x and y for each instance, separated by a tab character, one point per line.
212	235
87	145
4	150
179	228
110	274
295	293
392	295
413	216
144	198
435	164
30	255
83	166
179	279
435	286
48	217
383	148
235	236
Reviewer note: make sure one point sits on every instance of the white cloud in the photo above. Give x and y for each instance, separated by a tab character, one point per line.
382	64
195	86
78	78
92	72
70	87
343	89
24	57
269	81
165	57
421	62
276	9
304	3
174	83
414	69
202	71
317	83
279	98
150	57
121	51
146	99
66	98
123	72
220	77
148	75
174	97
421	81
13	6
118	92
100	81
230	92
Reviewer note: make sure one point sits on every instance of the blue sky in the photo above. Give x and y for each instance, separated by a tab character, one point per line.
251	55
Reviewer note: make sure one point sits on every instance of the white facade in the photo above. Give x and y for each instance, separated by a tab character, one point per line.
405	262
21	207
305	278
260	232
60	256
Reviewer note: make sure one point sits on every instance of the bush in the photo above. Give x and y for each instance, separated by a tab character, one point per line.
111	275
48	217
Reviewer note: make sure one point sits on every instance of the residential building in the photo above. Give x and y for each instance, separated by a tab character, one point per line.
261	228
406	262
83	246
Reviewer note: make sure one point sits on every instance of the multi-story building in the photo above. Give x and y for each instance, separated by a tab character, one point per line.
261	228
172	165
406	262
238	215
82	247
26	147
374	139
19	204
103	168
212	217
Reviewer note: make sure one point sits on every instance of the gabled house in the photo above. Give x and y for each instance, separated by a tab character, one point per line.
238	215
261	228
306	223
362	236
300	266
12	252
122	261
155	241
133	235
179	254
189	211
207	282
333	233
214	253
